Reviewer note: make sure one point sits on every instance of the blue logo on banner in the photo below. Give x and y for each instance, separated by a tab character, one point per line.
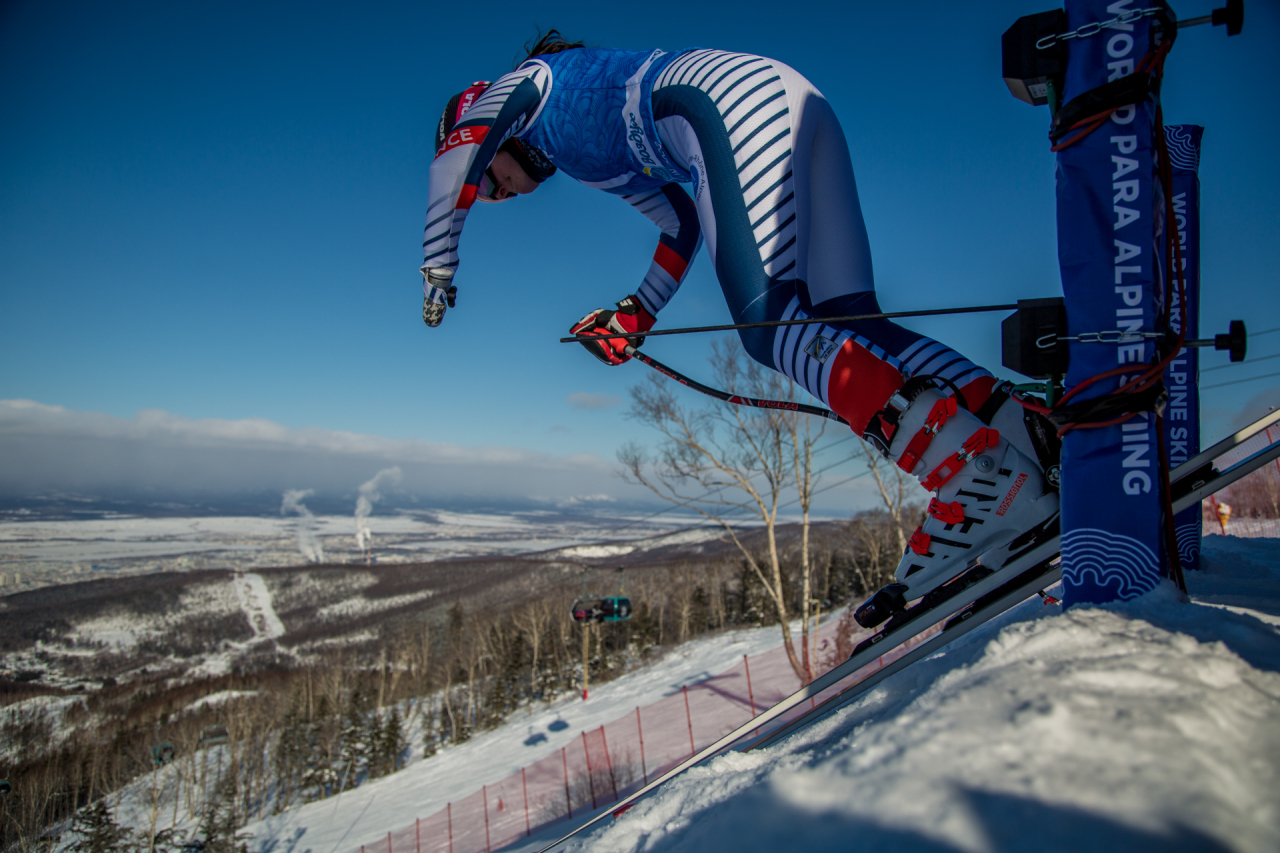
1107	566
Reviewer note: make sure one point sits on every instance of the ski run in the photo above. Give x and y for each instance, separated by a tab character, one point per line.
1127	726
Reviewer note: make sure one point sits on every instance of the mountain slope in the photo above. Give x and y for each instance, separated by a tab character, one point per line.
1152	722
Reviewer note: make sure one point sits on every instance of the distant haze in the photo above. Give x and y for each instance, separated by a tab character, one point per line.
47	450
54	454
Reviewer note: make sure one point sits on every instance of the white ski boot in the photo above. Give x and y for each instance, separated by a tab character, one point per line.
991	493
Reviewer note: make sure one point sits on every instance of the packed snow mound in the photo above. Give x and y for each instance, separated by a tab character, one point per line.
1129	726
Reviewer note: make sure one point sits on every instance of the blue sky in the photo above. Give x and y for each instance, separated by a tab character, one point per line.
215	209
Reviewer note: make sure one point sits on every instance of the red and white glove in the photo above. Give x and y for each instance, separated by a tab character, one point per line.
631	316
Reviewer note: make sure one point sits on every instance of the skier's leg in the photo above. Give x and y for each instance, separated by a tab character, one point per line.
779	211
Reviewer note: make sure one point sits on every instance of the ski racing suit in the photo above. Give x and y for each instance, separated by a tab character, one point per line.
774	200
776	203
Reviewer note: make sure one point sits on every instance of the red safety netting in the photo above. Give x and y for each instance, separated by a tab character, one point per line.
603	765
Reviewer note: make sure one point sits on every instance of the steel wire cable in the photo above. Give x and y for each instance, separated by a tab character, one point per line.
1238	381
1238	363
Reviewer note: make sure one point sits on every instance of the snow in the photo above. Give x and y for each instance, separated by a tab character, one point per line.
362	815
1128	726
1137	725
360	605
47	712
597	551
123	629
222	697
255	600
44	552
120	631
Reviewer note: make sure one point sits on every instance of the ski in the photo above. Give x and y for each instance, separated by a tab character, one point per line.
975	602
1011	594
1198	479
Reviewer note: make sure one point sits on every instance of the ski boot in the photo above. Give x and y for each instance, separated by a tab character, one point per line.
995	480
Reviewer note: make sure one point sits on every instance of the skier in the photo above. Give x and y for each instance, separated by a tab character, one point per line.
776	203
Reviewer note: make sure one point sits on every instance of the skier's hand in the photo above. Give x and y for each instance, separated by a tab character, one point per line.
631	316
438	292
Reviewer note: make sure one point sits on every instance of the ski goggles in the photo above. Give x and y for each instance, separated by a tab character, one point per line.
488	189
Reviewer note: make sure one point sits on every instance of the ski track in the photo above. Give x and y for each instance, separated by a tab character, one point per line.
255	600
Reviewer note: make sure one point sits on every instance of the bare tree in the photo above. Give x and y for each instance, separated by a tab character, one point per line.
897	488
801	442
723	461
532	620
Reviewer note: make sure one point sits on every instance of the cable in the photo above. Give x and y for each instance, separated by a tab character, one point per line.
768	324
1238	381
1250	361
1264	332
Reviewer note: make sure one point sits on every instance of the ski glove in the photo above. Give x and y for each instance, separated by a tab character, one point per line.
631	316
438	292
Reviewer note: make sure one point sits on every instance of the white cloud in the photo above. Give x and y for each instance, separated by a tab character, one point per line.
586	400
46	449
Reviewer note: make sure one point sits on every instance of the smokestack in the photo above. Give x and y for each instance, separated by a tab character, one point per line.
369	495
308	543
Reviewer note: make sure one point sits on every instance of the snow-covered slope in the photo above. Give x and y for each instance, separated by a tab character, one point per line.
341	824
1153	723
1149	724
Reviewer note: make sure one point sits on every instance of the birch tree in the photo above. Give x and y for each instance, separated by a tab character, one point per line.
729	464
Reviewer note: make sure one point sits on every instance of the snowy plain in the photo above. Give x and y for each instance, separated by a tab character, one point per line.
42	552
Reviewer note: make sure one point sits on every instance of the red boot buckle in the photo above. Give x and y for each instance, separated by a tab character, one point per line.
920	542
984	438
952	513
938	415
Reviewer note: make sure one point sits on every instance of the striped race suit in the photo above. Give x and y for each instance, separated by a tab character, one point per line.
774	199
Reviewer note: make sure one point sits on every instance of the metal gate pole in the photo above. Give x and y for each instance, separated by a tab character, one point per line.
591	780
484	793
689	717
449	811
608	762
417	835
750	695
640	731
524	784
567	802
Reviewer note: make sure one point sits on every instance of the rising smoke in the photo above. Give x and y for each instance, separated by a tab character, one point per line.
308	544
370	493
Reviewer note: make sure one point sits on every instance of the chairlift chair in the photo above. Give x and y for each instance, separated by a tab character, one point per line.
617	608
608	608
587	608
601	608
163	753
5	788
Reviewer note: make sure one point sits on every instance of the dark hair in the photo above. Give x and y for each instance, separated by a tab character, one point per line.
547	42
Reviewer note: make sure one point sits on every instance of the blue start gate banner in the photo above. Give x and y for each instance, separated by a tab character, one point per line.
1109	227
1182	379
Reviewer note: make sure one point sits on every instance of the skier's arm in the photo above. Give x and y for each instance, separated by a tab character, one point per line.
673	211
506	108
670	208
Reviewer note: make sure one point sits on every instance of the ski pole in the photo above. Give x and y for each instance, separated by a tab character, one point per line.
890	315
731	398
